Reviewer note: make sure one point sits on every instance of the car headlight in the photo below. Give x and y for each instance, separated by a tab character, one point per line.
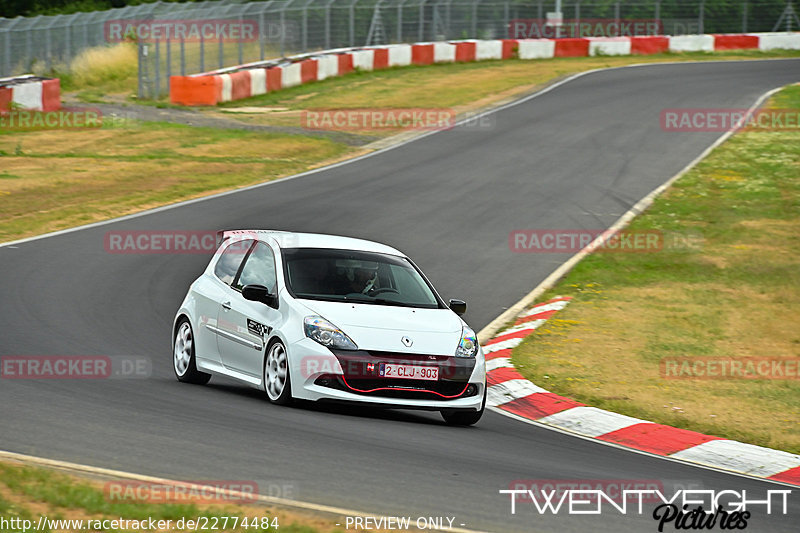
325	333
468	347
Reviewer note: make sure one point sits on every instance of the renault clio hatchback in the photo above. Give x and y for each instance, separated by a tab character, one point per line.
328	318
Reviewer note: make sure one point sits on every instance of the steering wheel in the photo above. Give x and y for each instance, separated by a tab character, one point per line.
373	292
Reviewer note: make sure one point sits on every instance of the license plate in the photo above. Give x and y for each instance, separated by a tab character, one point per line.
389	370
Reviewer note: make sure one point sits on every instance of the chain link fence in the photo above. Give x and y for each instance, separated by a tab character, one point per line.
187	38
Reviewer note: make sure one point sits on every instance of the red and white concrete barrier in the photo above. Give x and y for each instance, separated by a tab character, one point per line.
509	391
781	41
250	80
30	92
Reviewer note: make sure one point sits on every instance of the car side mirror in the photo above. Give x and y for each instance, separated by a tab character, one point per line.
259	293
459	307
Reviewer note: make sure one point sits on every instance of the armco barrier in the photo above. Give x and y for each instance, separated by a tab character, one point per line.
30	92
249	80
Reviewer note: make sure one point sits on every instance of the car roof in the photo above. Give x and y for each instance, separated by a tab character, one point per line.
289	239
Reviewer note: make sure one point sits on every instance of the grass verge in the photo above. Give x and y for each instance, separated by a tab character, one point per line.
28	493
734	297
56	179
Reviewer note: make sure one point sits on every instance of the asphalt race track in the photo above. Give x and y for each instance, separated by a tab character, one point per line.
576	157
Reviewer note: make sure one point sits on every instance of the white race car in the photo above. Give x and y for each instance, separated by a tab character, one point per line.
321	317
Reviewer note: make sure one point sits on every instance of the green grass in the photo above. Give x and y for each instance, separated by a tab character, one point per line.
29	492
734	295
65	493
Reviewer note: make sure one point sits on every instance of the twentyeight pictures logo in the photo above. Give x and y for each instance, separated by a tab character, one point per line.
681	509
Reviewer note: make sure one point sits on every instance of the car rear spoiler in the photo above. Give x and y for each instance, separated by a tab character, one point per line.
224	235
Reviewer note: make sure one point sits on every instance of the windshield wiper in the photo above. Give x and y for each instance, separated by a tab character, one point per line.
380	301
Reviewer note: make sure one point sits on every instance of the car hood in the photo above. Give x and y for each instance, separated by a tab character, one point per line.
382	327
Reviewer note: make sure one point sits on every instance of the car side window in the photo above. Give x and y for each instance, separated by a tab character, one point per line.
259	269
230	260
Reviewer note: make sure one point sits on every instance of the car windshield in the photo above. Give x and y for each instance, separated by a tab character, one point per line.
356	277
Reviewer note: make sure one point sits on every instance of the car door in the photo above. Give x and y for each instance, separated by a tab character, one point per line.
211	290
245	325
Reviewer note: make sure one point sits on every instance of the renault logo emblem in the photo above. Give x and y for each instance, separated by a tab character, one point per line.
407	342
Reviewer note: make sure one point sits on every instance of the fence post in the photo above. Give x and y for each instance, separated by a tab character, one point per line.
400	21
658	15
505	20
474	32
241	60
421	25
67	44
140	74
744	17
168	43
158	70
48	52
202	53
328	25
352	9
283	33
305	27
701	18
7	56
183	58
221	52
261	35
447	20
577	20
616	17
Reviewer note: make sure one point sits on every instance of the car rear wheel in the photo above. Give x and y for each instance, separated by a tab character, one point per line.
183	360
276	374
464	418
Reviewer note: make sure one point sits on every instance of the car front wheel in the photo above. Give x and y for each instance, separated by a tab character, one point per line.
276	374
183	360
464	418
